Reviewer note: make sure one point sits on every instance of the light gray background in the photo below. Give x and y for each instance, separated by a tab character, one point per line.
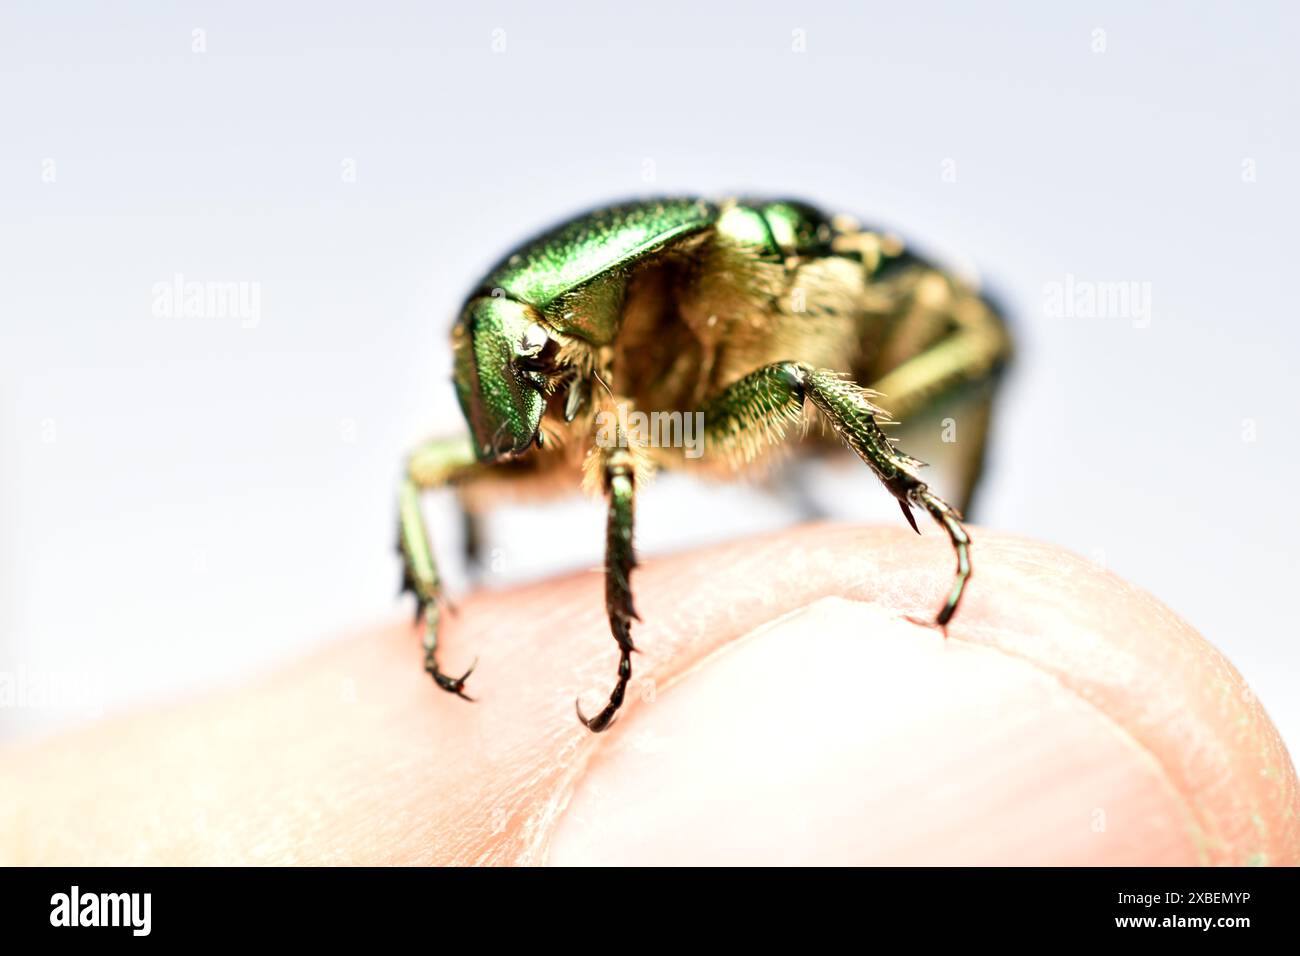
186	500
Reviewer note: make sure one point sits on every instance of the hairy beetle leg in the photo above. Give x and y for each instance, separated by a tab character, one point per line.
756	409
849	409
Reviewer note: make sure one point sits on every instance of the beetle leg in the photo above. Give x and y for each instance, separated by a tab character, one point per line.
756	409
432	465
620	559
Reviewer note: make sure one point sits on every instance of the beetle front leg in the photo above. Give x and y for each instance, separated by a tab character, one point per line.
848	408
434	464
620	558
755	410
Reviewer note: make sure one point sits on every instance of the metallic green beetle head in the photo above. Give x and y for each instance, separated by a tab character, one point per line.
498	345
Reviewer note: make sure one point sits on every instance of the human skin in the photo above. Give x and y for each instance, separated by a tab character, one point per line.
785	710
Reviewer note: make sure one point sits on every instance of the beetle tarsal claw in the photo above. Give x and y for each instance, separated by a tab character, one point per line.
600	722
605	718
929	623
455	685
907	513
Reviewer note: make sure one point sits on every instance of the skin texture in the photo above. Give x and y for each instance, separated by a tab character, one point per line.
785	710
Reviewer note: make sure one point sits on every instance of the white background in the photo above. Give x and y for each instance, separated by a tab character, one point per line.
183	501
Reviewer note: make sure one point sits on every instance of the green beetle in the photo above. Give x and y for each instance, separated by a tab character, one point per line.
744	316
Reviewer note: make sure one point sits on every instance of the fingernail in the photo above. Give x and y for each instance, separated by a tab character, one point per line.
843	734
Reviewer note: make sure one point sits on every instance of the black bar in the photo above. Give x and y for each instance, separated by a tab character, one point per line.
473	906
